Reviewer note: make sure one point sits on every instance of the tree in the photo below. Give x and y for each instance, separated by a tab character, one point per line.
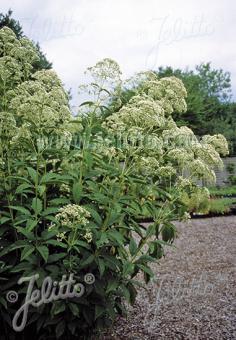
209	92
7	20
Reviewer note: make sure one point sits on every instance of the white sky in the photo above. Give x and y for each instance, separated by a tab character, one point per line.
138	34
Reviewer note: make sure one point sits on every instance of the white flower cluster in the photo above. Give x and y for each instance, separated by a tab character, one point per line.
199	169
72	215
182	156
41	103
88	236
219	142
37	102
61	236
207	154
141	111
159	146
7	126
17	57
166	171
148	165
183	183
169	91
65	189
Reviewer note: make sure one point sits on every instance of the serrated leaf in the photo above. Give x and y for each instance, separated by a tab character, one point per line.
31	224
48	178
22	187
26	252
56	243
33	174
87	261
20	209
56	257
44	252
37	205
26	233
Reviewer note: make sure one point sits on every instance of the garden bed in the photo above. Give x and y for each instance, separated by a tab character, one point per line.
196	299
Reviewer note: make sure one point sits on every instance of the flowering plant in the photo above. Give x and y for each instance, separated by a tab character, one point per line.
75	189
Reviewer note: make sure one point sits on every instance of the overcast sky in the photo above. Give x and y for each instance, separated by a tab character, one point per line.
138	34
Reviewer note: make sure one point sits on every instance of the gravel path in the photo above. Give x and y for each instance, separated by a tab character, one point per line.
193	293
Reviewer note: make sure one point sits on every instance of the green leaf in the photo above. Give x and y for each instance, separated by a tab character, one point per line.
83	244
46	235
77	191
44	252
48	178
22	266
3	302
74	309
56	257
132	247
56	243
87	103
20	209
58	307
50	211
94	214
101	266
37	205
30	224
60	328
128	268
27	251
22	188
87	261
4	219
99	310
59	201
26	233
168	232
151	230
103	239
125	292
41	189
33	174
116	237
112	285
146	269
115	215
132	292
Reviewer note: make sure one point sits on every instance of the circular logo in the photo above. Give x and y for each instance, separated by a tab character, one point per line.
12	296
89	278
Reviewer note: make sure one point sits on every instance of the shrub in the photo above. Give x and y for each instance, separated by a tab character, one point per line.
221	206
223	191
73	189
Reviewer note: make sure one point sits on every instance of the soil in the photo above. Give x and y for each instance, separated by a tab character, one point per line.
193	293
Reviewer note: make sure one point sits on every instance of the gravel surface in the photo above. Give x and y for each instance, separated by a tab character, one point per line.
193	293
